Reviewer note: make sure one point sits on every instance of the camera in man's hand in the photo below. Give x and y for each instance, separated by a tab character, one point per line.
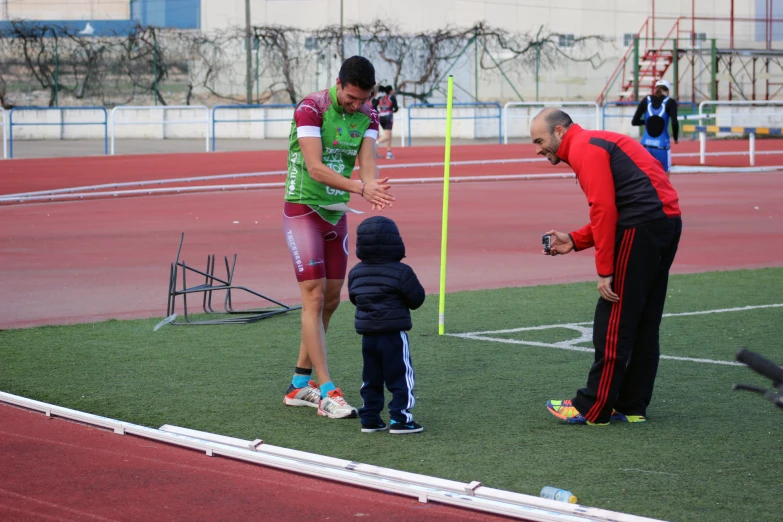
546	240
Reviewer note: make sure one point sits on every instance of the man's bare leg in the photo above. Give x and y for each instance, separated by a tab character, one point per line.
331	300
320	299
312	351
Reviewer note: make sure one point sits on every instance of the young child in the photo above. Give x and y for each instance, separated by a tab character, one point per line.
384	291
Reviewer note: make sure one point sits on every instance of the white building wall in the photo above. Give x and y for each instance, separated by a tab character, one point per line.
610	19
65	10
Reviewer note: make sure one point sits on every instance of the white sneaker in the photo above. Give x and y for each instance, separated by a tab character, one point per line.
310	395
335	407
389	155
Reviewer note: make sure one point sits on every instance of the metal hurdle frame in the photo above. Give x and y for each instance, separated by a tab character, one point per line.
543	105
249	120
5	132
466	105
163	121
750	131
61	123
213	283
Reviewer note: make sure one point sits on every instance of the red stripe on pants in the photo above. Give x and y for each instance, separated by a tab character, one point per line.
612	336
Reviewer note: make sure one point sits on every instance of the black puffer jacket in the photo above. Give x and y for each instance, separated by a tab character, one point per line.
383	289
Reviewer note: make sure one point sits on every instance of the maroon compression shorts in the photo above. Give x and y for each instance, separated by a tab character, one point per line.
318	249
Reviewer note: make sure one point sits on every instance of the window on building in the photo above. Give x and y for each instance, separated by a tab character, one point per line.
763	29
565	40
628	39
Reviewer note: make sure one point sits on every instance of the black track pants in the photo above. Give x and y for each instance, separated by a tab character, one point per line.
387	360
625	334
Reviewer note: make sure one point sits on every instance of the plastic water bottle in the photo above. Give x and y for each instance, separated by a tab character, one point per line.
561	495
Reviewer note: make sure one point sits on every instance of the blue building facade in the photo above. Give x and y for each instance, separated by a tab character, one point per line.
177	14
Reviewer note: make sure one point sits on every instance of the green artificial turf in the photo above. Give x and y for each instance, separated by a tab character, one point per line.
707	453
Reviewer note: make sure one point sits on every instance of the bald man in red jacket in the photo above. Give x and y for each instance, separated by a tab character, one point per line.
635	226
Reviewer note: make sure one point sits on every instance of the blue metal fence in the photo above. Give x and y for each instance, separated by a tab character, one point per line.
11	123
476	105
259	106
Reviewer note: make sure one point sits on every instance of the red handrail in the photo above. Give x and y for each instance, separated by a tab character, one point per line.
613	76
658	51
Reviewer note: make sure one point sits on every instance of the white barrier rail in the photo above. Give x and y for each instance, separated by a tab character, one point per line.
594	112
163	121
473	495
5	132
743	103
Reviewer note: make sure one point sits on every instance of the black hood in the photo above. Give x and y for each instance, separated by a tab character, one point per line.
378	239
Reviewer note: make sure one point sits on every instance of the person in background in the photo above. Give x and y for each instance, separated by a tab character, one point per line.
387	106
654	114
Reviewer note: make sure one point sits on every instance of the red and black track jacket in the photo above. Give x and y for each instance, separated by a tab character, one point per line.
625	187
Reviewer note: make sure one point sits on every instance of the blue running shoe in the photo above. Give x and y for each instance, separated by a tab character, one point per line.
399	428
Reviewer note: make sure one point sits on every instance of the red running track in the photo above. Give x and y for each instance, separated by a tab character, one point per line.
90	260
93	260
28	175
53	469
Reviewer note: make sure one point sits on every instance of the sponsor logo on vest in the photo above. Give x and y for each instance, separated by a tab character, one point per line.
334	192
352	144
329	150
355	134
293	172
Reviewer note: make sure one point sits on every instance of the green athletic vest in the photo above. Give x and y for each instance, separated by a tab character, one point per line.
341	137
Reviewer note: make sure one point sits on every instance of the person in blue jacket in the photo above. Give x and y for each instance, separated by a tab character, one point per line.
384	291
654	113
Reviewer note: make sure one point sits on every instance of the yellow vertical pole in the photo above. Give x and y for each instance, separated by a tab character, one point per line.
445	221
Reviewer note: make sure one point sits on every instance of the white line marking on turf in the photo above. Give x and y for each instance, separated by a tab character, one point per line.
585	334
724	310
651	472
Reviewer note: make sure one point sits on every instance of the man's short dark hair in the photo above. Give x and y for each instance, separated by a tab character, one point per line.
557	117
358	71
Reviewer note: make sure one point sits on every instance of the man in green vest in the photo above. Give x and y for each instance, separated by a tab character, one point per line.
330	130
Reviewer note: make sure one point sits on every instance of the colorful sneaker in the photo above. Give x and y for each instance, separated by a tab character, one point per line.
335	407
622	417
399	428
389	155
310	395
373	427
566	411
378	155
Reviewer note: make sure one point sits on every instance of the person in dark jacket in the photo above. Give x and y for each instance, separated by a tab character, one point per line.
384	291
654	114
